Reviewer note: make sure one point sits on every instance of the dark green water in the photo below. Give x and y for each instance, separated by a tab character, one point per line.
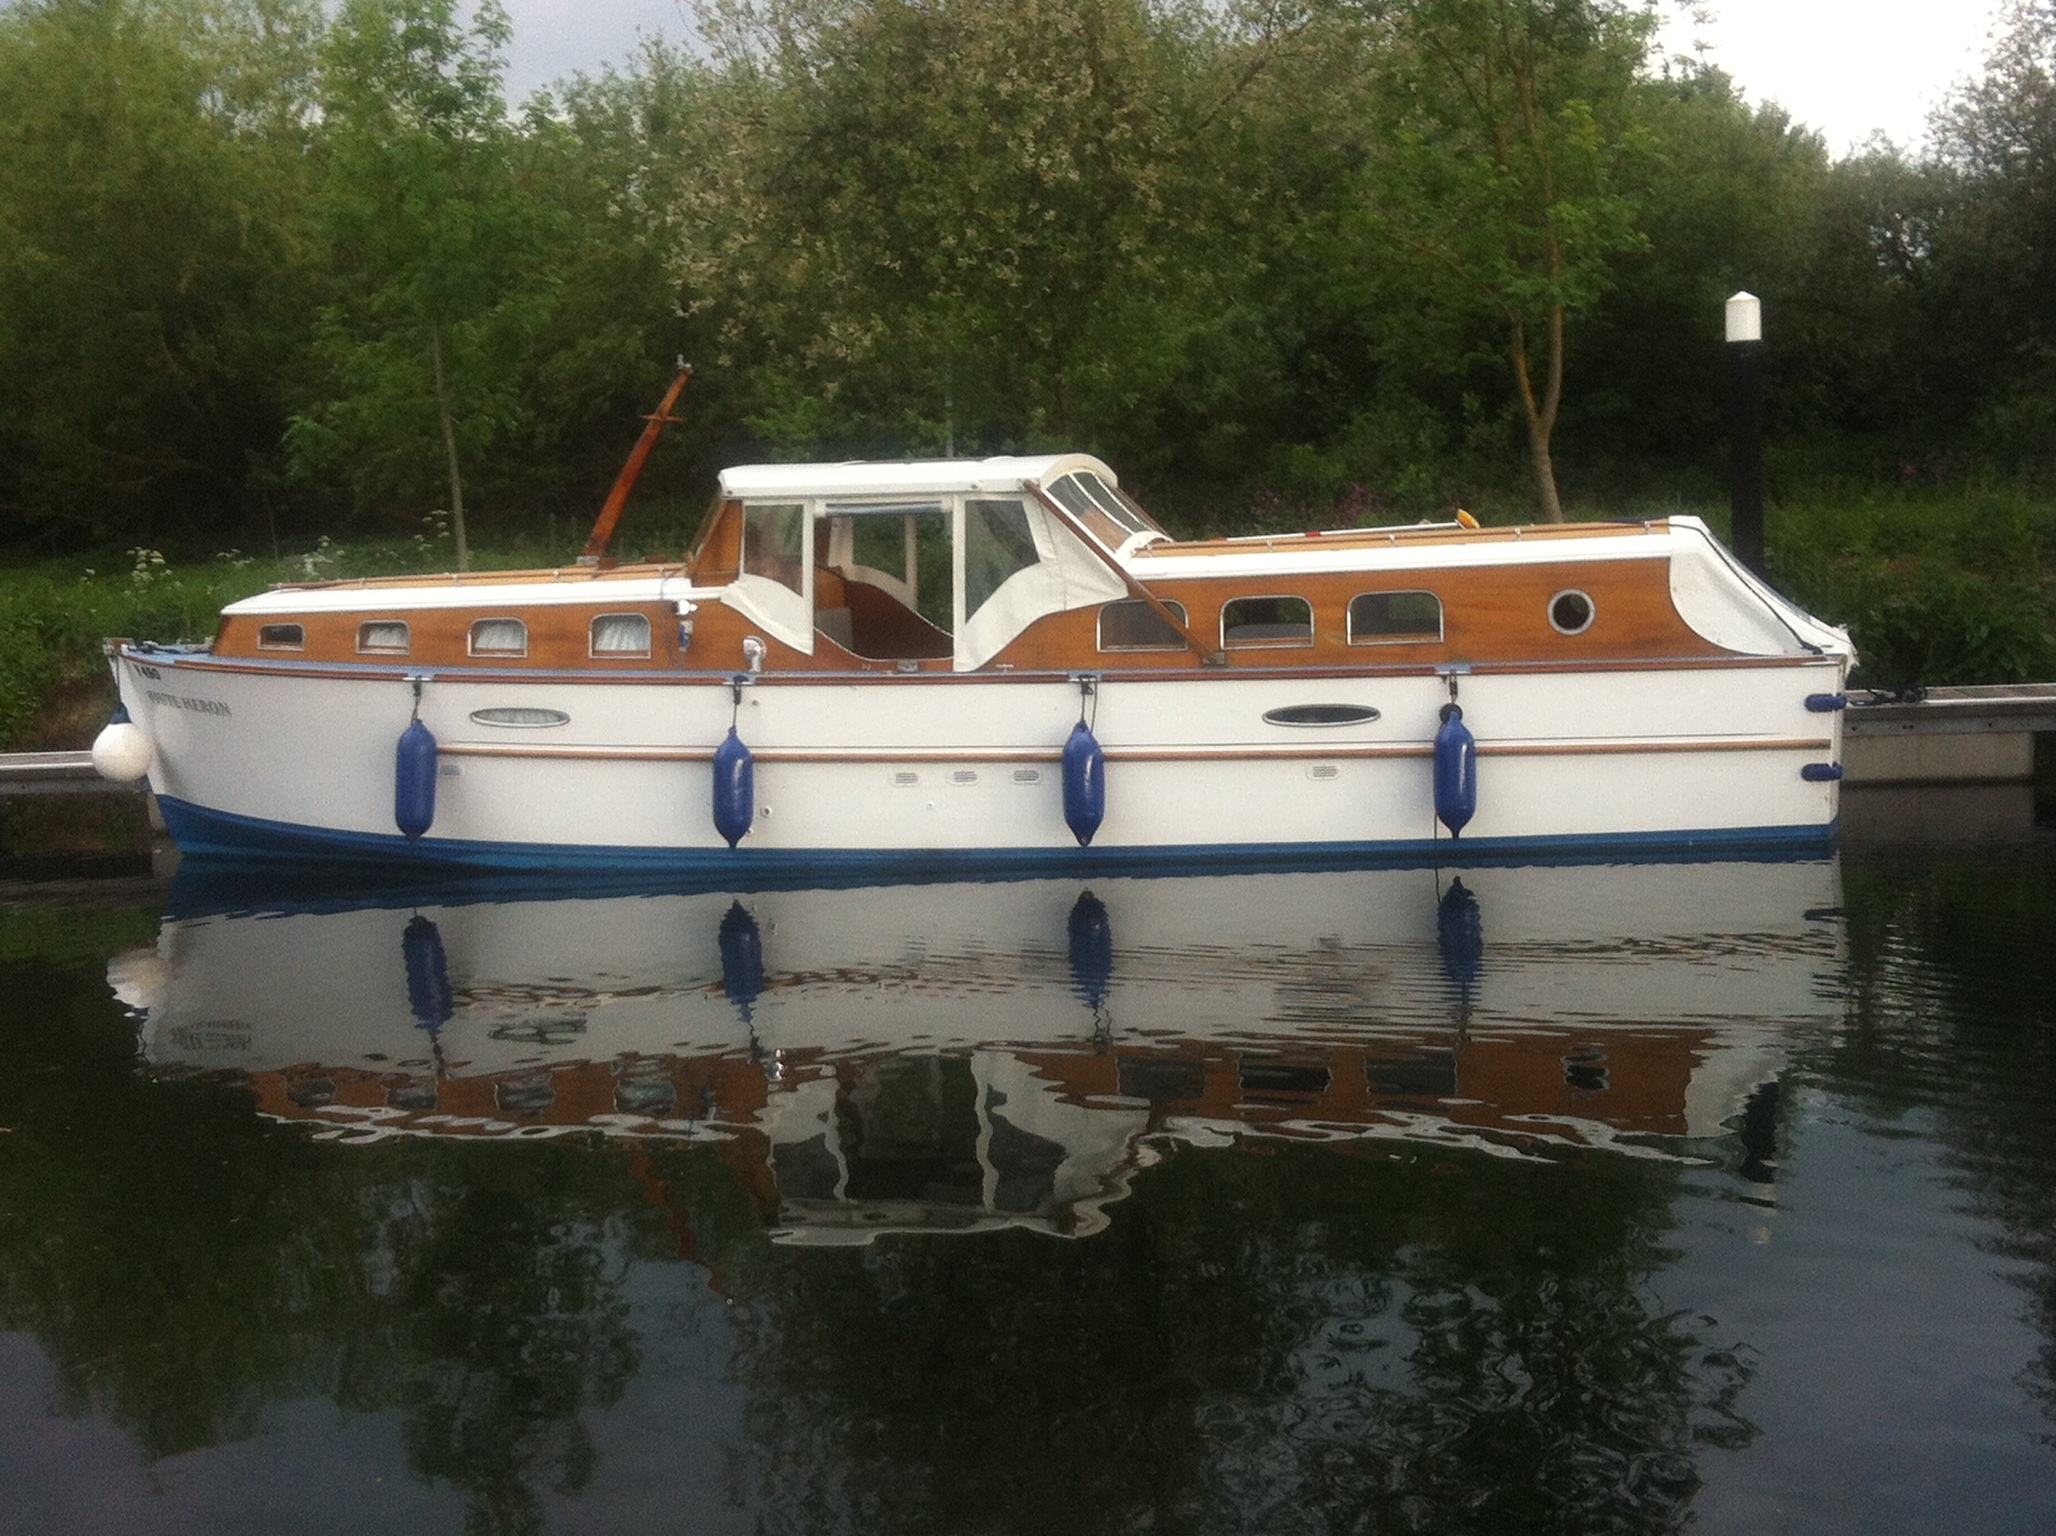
1715	1196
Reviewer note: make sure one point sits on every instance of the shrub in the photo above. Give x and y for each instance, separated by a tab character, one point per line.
1936	587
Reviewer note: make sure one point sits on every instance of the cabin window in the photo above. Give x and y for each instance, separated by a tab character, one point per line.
881	544
1132	625
1571	613
499	637
383	637
281	637
774	542
620	634
1394	618
896	597
1260	621
998	543
934	581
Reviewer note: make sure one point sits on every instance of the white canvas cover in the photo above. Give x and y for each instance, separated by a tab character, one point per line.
1728	605
1067	576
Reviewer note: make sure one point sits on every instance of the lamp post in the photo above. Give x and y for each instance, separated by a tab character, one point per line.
1745	428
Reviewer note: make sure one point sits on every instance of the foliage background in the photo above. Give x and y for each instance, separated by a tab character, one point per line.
271	272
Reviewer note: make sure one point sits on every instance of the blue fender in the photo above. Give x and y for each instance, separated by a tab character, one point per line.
414	769
735	788
1456	771
1085	784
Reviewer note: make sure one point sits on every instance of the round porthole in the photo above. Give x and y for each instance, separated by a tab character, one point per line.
1570	613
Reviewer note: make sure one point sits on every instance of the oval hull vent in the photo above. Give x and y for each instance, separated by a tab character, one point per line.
521	718
1321	714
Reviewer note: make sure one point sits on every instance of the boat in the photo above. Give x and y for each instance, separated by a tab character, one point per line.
1003	663
967	1056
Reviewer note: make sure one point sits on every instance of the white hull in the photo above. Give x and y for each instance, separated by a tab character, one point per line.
249	760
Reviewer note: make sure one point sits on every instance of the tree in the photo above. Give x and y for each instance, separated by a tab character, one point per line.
435	253
153	288
1505	123
1998	258
940	223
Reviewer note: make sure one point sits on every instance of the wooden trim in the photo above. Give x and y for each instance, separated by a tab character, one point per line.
578	754
1607	748
882	674
761	754
1431	533
536	576
1243	752
1238	752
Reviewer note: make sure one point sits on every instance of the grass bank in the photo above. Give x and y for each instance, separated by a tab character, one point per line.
1938	585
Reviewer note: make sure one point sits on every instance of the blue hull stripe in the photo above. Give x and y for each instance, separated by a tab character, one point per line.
209	834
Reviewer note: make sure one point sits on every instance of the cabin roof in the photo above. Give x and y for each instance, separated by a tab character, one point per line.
914	477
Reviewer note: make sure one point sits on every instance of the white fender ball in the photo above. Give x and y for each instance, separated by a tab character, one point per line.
121	752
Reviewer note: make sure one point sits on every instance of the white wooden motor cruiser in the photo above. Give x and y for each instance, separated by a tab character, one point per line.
1004	663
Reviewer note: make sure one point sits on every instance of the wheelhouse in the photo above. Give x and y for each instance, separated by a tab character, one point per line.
921	561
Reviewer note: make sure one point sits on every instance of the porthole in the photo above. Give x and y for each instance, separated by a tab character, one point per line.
383	637
1571	612
281	637
499	637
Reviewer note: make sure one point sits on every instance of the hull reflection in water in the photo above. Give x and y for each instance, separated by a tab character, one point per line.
962	1057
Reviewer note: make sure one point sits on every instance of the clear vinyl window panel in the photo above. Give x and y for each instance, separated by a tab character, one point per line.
998	543
1076	497
774	543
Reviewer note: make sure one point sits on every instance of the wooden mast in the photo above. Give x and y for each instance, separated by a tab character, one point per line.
603	527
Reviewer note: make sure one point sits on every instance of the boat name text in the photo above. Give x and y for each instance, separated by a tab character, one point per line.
180	701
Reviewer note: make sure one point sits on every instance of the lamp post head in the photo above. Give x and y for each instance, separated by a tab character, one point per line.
1745	317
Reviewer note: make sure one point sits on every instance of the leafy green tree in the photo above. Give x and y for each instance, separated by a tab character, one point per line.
434	251
1998	262
153	288
606	155
943	224
1505	124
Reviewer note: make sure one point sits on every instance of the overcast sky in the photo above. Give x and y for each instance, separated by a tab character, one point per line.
1846	67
